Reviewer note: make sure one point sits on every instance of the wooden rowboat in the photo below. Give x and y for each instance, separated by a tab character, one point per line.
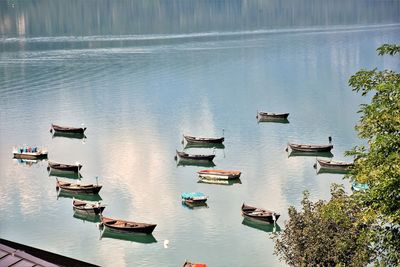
87	207
334	165
203	140
29	153
258	214
58	128
184	155
192	264
310	148
78	188
271	115
194	197
65	167
219	174
127	226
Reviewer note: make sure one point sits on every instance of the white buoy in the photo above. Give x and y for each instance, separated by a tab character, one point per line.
166	243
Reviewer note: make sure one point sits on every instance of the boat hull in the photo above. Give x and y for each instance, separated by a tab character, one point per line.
84	207
79	189
93	191
128	227
195	202
62	129
334	165
65	167
203	140
258	214
310	148
219	181
185	156
219	175
37	155
272	116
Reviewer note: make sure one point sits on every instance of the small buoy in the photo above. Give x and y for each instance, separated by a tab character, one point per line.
166	243
315	165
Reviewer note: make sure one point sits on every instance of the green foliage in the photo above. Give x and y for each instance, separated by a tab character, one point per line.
324	234
388	49
365	224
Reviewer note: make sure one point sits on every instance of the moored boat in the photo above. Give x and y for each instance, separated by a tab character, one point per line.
272	115
194	197
203	140
219	174
26	152
87	207
65	167
192	264
78	188
335	165
127	226
258	214
356	186
186	156
65	129
310	147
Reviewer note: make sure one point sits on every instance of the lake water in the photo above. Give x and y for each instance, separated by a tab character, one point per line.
139	74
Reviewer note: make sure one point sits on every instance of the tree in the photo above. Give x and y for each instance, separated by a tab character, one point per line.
324	234
364	227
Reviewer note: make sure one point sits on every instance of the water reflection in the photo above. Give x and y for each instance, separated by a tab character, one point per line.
220	181
269	228
266	120
194	206
205	145
93	218
69	135
65	174
86	197
28	162
332	171
310	154
132	237
198	163
174	16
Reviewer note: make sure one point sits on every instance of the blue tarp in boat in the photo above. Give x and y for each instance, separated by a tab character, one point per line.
359	186
193	195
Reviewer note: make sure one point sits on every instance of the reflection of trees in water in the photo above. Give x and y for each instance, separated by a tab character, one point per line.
81	18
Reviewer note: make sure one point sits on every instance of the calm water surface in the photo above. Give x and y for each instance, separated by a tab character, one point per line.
139	75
